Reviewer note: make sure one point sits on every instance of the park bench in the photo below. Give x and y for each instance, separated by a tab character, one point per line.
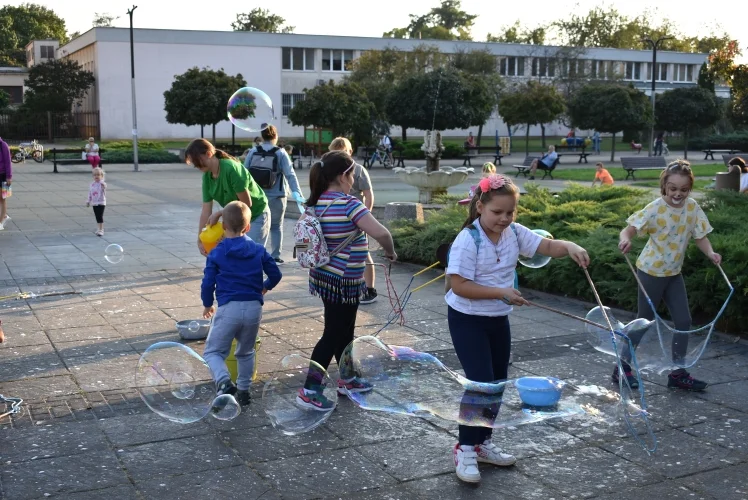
481	151
399	157
78	160
524	169
633	163
725	149
563	150
727	157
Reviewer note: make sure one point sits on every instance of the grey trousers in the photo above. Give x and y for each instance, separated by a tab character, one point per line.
671	289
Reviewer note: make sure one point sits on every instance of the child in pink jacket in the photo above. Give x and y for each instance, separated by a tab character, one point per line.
97	198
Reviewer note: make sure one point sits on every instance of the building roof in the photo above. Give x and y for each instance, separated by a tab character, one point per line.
258	39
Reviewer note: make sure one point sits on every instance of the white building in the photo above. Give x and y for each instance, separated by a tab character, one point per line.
283	65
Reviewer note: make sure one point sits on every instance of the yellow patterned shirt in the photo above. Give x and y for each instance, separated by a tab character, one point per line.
669	230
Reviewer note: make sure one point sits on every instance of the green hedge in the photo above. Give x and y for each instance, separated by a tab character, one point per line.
593	218
739	140
412	150
125	145
126	156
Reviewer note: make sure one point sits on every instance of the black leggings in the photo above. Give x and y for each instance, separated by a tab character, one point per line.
99	213
340	321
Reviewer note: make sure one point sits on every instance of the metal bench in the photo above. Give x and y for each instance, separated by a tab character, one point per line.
724	149
633	163
70	161
487	151
562	150
524	169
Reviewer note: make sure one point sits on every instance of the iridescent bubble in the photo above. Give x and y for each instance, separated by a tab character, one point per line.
299	396
250	109
537	260
114	254
225	407
193	326
175	382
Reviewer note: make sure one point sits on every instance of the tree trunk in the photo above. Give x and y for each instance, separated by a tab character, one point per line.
480	133
202	131
405	134
214	134
527	140
685	145
542	135
613	148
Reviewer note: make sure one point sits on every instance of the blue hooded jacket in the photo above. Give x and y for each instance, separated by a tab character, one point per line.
234	270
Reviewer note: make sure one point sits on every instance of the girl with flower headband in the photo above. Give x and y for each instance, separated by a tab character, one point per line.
481	268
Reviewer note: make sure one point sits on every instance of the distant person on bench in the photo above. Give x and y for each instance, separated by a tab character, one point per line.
547	161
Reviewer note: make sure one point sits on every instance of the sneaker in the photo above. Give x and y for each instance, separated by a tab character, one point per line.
489	453
369	297
630	378
99	233
466	463
226	387
684	380
313	400
6	219
279	261
353	385
243	398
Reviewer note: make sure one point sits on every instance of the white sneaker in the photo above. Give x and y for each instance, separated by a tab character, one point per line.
489	453
466	465
6	219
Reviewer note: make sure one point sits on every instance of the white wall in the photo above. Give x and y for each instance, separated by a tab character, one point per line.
155	68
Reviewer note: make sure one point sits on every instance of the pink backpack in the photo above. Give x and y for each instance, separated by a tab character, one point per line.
310	248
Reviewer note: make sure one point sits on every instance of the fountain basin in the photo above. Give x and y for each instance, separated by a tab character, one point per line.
430	183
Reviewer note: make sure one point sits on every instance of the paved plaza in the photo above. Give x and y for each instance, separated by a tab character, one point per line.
84	432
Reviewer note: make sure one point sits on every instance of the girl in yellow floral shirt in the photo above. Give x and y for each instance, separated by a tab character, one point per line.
670	222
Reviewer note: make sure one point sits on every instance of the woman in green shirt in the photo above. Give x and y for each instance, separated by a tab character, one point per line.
226	180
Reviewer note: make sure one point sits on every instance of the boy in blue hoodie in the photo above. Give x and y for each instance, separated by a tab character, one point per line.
234	270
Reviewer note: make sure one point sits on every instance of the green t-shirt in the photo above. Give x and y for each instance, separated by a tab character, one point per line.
233	178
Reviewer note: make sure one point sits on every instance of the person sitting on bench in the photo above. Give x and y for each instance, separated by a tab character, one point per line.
547	161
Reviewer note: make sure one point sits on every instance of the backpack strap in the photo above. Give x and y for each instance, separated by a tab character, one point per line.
348	239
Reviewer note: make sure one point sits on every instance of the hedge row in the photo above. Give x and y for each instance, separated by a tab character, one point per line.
126	156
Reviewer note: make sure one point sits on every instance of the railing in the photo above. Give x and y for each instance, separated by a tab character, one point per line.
48	126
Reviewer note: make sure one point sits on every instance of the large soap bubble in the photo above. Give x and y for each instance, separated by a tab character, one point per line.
250	109
299	396
537	260
114	253
175	382
225	407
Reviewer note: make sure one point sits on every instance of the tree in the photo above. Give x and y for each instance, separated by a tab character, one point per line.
706	80
199	97
19	25
261	20
531	103
342	108
102	20
4	100
516	33
687	110
446	22
739	96
610	108
55	85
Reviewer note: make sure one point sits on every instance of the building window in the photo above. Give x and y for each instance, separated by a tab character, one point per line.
661	72
47	52
337	60
512	66
543	67
633	71
289	101
682	73
15	93
298	59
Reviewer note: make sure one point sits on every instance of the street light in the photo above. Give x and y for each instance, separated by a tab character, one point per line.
134	109
654	44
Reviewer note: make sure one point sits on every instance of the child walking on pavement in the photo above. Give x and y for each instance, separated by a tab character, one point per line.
97	198
234	272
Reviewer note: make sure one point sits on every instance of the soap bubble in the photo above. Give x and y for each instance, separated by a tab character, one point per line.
114	254
250	109
287	409
225	407
175	382
537	260
193	326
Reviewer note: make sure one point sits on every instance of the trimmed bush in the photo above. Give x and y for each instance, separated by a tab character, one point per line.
593	218
126	156
125	145
739	140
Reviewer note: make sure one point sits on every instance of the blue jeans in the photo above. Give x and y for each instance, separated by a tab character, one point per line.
235	320
260	228
482	344
277	212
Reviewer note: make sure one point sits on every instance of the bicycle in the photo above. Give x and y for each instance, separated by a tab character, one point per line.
383	156
29	150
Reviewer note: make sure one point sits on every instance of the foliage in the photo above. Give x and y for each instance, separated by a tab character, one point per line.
687	110
739	105
610	108
342	108
55	85
706	79
593	218
531	103
412	150
23	23
516	33
102	20
259	19
738	140
4	99
619	174
145	155
127	145
446	22
199	97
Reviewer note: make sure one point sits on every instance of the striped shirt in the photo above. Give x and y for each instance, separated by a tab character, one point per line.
492	265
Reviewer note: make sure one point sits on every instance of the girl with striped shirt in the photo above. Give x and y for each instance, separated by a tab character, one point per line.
340	283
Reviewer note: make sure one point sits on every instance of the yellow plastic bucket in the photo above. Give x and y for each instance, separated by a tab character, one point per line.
231	360
210	236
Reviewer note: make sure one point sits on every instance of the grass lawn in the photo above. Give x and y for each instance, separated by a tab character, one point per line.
587	174
699	185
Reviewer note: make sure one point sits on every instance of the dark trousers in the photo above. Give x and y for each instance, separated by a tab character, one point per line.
99	213
482	344
340	321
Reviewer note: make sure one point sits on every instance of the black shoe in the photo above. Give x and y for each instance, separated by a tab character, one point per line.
630	377
279	261
684	380
226	387
369	297
243	398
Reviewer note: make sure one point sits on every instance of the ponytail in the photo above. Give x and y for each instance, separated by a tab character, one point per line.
325	171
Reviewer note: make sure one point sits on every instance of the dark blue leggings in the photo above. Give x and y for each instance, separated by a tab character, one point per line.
482	344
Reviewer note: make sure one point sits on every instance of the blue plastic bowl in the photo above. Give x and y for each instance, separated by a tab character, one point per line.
539	391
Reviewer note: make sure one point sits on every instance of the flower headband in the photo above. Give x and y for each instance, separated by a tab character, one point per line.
493	181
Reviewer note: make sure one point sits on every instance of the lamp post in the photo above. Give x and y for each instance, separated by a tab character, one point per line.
134	109
654	44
